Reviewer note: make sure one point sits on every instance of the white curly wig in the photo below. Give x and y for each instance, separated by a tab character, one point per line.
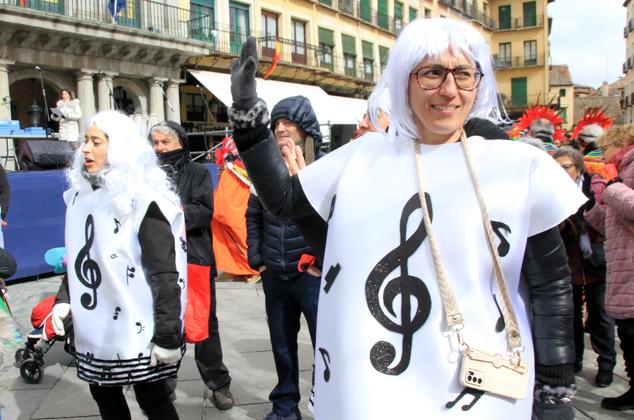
379	102
132	167
431	38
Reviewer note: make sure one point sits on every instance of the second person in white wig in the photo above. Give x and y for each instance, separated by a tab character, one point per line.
409	290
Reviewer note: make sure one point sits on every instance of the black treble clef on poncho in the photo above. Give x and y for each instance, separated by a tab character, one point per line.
406	287
87	269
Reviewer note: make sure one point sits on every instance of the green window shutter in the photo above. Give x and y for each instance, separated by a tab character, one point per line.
368	50
365	10
383	17
326	2
327	37
562	92
504	17
530	14
519	91
398	10
384	53
413	14
348	44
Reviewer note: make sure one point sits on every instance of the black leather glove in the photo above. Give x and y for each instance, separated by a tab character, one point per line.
243	86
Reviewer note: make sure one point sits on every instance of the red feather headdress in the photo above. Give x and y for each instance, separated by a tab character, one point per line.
535	113
592	116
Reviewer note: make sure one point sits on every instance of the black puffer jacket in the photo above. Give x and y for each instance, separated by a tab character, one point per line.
271	242
196	191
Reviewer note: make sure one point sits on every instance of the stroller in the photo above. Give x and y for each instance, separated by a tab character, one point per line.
39	341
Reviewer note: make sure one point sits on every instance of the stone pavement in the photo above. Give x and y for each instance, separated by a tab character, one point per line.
247	352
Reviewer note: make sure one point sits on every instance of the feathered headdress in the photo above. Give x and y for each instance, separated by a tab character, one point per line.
535	113
592	116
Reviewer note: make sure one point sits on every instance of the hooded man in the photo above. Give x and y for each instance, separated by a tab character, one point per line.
275	249
195	189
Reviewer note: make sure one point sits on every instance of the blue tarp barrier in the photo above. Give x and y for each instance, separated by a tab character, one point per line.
35	222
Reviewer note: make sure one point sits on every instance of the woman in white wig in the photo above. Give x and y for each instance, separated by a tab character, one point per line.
414	317
377	118
125	240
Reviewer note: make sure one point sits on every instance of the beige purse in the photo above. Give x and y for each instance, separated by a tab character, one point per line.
500	374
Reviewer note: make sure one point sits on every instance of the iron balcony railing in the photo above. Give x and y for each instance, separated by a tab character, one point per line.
517	62
471	10
226	41
144	15
367	14
525	22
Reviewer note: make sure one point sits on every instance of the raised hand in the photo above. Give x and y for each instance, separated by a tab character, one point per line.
243	85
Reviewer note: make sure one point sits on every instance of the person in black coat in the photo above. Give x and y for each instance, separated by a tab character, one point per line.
275	248
195	190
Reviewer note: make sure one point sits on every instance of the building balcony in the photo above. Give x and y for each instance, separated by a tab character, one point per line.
468	9
292	54
502	63
142	15
368	15
518	23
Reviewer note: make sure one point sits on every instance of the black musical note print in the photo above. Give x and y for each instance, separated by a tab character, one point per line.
498	227
476	393
140	327
332	207
500	324
88	357
86	269
404	286
331	275
113	256
117	310
181	283
326	357
117	224
183	244
129	274
75	197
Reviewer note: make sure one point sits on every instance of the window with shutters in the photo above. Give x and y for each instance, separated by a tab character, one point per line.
413	14
365	10
383	19
427	13
202	23
384	52
530	53
326	45
239	28
398	16
368	60
269	31
519	91
530	14
505	58
298	36
504	17
349	47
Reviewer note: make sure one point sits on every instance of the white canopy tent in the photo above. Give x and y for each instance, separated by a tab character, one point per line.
329	109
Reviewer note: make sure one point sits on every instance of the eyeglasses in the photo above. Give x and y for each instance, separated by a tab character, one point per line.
432	77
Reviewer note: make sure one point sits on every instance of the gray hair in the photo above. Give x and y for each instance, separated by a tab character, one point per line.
533	142
542	129
573	154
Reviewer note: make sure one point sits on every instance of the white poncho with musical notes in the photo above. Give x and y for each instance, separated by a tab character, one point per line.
382	350
112	305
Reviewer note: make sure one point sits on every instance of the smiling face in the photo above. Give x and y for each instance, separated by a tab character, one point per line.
440	113
288	133
95	150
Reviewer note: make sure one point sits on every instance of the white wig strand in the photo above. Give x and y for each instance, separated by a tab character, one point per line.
379	102
424	38
132	168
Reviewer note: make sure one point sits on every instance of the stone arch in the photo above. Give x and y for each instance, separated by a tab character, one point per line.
137	93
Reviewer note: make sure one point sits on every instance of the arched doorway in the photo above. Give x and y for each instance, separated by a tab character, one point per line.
28	91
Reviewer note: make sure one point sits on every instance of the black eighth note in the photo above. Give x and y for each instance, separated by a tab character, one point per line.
117	310
129	274
333	271
476	393
116	225
326	356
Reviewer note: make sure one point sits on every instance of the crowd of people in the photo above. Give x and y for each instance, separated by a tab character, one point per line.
370	234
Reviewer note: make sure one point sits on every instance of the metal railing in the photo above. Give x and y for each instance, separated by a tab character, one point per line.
517	62
521	23
367	14
471	10
144	15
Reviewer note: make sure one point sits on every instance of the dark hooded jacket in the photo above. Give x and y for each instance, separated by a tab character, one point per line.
272	242
196	191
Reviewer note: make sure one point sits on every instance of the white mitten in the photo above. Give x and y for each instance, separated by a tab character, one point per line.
163	355
60	312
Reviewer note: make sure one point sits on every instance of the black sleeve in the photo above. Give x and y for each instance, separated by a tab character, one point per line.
547	273
254	232
62	294
281	194
8	265
199	210
159	263
5	193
